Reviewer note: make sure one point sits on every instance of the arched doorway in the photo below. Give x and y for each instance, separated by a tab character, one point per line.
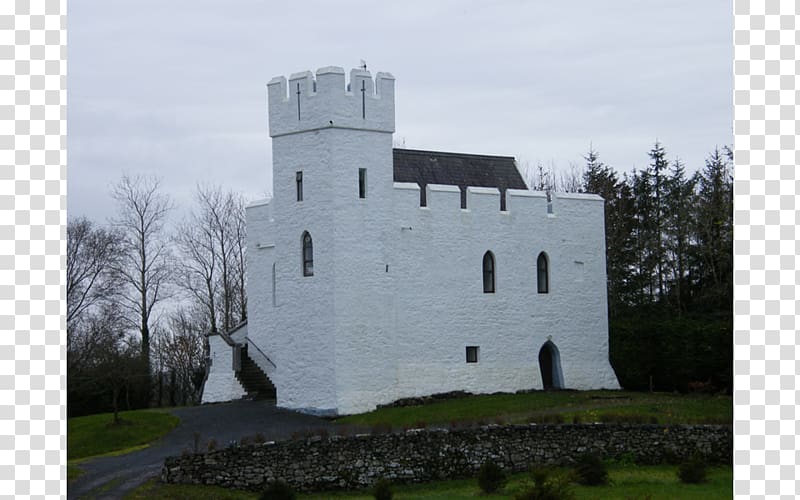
550	364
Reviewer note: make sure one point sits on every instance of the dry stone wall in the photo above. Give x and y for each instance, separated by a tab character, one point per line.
423	455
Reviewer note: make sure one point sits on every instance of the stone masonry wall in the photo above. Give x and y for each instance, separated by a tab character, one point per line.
424	455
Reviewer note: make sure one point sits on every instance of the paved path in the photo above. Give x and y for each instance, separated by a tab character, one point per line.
113	477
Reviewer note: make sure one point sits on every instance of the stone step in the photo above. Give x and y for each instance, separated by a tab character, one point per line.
253	379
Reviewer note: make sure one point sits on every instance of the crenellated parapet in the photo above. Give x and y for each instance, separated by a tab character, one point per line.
311	102
484	200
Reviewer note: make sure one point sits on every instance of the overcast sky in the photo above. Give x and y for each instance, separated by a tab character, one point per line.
177	89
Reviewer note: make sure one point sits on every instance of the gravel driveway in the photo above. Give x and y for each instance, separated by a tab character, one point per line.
113	477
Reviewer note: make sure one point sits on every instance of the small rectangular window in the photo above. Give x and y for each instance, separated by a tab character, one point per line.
423	199
362	182
463	197
472	354
299	179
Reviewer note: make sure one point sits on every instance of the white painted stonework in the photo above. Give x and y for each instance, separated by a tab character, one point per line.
221	383
397	291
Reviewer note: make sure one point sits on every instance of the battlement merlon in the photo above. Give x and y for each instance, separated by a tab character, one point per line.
306	103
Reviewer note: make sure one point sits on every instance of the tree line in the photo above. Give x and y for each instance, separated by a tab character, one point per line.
142	294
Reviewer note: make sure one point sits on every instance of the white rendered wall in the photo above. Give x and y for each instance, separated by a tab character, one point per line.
364	288
221	384
441	307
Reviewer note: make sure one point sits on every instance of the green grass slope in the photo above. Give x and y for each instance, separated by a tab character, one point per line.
98	435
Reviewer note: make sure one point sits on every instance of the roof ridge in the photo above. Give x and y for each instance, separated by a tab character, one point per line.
449	153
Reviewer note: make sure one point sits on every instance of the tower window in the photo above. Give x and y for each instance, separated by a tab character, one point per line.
308	255
488	272
542	274
423	198
362	182
463	197
472	353
299	180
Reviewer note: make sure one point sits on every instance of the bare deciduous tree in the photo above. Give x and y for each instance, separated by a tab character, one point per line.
197	269
91	253
223	227
240	257
143	268
181	353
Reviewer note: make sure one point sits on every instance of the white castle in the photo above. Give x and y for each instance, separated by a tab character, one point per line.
376	274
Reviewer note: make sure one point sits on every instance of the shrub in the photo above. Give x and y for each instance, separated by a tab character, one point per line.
546	486
278	490
382	490
491	477
692	471
591	470
212	444
627	459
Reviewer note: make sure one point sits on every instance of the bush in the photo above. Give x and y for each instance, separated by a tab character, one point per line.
591	470
693	471
382	490
491	477
278	490
546	486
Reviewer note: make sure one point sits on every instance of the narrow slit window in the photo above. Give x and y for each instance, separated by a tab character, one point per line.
308	255
463	197
274	298
542	274
362	182
299	180
423	196
488	273
503	200
472	353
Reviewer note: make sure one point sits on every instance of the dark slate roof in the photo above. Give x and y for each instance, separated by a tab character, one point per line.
456	169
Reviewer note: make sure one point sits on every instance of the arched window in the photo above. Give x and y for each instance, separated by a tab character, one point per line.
308	255
542	274
488	272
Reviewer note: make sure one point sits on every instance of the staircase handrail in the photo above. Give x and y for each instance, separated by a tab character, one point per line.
250	342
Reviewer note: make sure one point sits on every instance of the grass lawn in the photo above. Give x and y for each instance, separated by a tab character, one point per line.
569	406
628	481
96	435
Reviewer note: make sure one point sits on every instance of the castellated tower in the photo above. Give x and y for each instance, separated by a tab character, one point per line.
332	178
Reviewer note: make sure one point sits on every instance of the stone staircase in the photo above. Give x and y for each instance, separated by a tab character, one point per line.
255	382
